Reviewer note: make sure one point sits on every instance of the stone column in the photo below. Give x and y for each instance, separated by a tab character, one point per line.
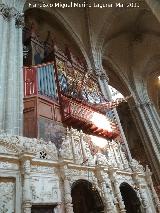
83	147
148	123
73	145
116	157
151	187
19	27
67	196
117	192
108	199
26	186
103	82
4	22
142	194
11	61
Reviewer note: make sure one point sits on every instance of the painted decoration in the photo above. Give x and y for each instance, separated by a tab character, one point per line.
51	131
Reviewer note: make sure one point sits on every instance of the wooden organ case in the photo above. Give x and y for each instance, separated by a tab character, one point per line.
63	93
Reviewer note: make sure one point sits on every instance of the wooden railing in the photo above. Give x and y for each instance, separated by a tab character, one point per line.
76	113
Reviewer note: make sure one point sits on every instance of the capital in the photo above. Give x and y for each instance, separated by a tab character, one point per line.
19	20
7	12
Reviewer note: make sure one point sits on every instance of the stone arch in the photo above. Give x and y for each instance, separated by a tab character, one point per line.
67	27
86	197
152	70
115	75
130	198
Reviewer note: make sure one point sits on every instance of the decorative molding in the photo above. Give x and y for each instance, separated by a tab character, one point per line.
20	145
7	165
43	169
136	167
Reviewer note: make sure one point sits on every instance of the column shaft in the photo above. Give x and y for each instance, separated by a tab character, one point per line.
11	62
107	94
68	198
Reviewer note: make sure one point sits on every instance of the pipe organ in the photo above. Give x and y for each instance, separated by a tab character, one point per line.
63	93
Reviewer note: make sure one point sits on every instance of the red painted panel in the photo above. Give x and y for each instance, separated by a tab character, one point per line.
30	82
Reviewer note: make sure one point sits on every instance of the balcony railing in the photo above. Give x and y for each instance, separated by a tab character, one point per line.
84	117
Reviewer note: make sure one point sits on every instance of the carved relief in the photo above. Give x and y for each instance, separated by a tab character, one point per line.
124	178
7	194
5	150
66	149
136	166
44	184
45	190
43	169
101	159
34	146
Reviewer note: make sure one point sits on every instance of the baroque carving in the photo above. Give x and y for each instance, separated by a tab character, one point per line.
5	150
33	146
101	159
136	166
66	149
41	184
124	178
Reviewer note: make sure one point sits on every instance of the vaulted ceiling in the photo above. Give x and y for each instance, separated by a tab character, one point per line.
129	38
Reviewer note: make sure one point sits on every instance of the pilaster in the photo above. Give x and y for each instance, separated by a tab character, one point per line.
149	181
67	191
145	203
26	169
107	197
117	192
148	122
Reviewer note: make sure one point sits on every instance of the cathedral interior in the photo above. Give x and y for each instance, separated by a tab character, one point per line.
79	106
